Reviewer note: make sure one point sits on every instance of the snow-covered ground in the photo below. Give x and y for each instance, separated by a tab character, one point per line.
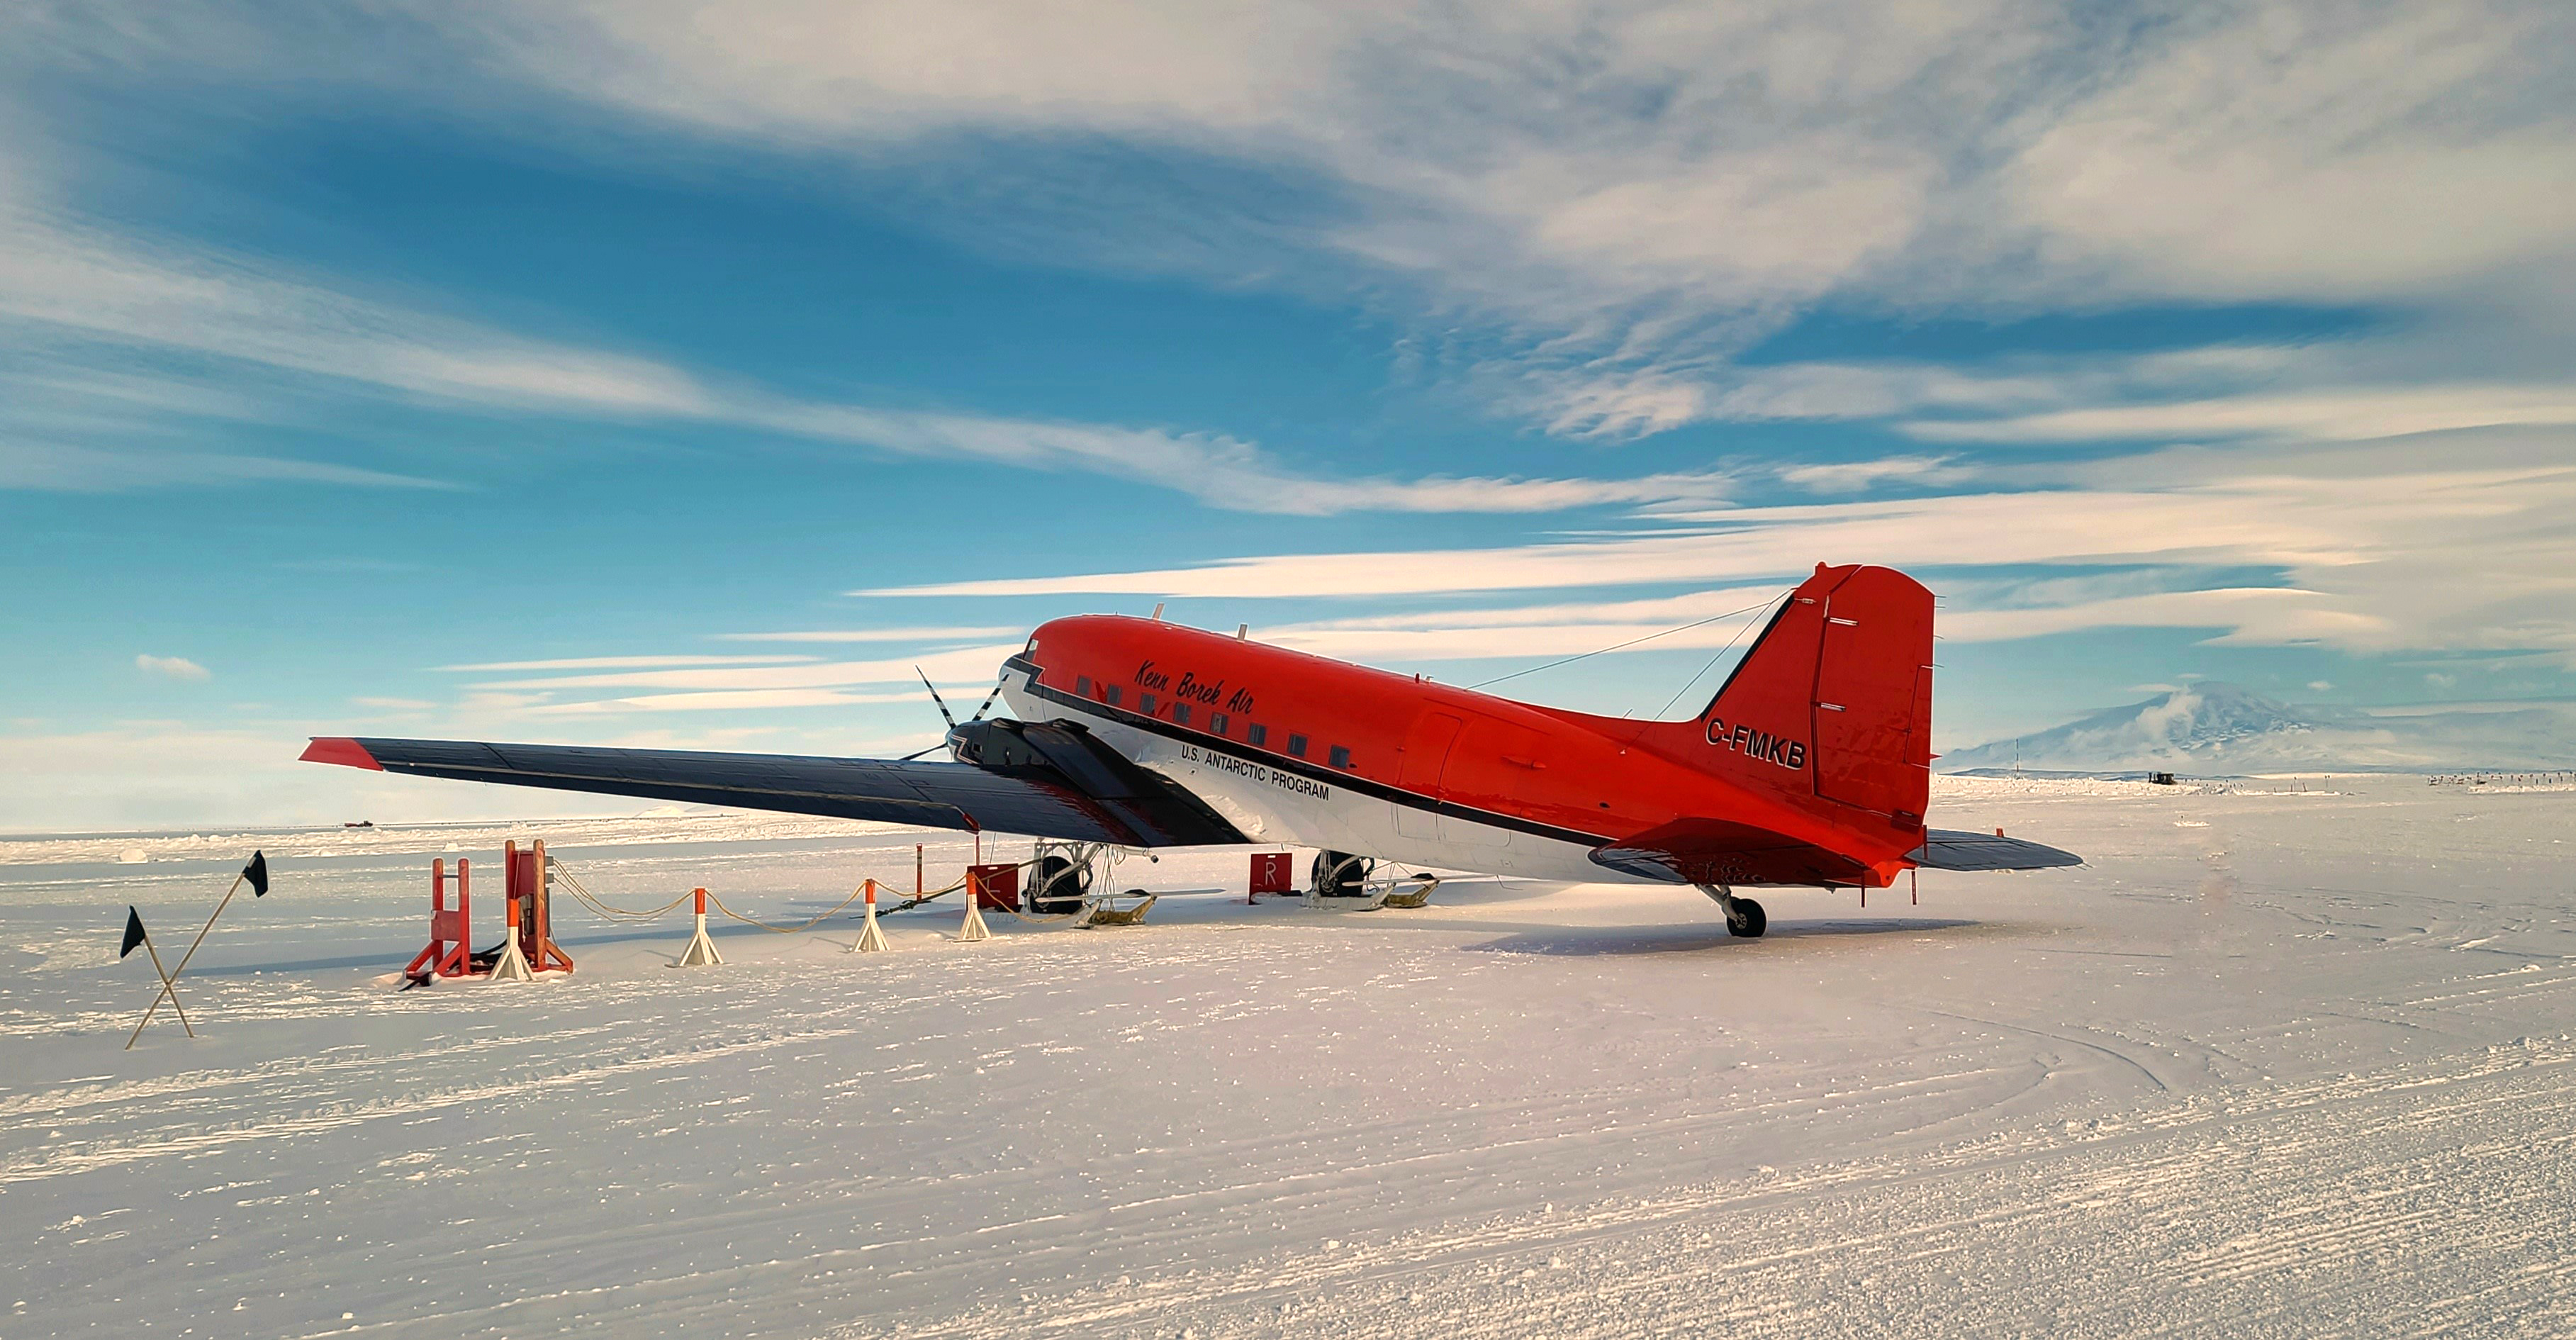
2285	1058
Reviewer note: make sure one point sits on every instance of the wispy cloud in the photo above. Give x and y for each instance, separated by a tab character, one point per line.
1722	618
2382	550
1856	476
2262	615
2340	414
929	634
171	667
1697	178
622	662
60	468
1218	470
722	700
957	666
61	276
1627	194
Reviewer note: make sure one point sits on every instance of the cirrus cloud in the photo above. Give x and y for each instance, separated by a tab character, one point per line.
171	667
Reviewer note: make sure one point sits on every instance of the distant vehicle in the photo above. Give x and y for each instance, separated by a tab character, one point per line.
362	823
1810	767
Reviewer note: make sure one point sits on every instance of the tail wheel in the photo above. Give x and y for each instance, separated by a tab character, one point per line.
1058	885
1744	918
1339	874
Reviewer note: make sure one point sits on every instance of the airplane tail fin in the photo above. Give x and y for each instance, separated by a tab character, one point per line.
1831	708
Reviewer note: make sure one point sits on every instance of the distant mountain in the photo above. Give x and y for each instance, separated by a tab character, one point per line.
2221	728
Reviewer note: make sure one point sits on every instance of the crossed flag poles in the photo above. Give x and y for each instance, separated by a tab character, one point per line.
254	874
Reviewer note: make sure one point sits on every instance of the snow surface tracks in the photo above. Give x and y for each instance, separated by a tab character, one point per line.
2423	1200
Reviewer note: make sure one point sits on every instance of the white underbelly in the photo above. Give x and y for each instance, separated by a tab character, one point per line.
1273	805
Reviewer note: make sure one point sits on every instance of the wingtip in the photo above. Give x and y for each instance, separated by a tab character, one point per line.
346	752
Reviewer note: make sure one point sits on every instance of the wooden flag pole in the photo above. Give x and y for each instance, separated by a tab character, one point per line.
170	983
169	987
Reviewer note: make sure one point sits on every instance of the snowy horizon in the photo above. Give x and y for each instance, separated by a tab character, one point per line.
617	376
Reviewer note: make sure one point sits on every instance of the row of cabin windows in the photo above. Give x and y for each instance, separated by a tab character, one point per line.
1254	733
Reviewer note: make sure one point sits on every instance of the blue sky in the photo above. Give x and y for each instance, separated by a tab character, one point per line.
682	375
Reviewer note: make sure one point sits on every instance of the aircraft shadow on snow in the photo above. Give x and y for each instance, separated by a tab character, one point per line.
1584	941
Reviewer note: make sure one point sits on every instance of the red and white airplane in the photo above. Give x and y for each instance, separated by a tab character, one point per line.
1810	767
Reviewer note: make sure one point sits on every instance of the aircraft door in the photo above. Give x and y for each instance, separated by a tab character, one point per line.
1426	753
1492	763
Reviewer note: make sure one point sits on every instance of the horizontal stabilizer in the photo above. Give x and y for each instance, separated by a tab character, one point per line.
1949	849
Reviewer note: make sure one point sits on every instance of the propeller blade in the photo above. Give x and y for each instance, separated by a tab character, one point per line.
988	702
936	699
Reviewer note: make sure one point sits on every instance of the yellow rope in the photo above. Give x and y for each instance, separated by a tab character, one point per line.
628	914
593	902
854	897
785	930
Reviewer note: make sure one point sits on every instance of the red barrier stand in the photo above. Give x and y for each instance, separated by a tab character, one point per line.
448	955
531	914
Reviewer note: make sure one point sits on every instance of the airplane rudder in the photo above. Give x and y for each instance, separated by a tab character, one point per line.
1831	706
1873	698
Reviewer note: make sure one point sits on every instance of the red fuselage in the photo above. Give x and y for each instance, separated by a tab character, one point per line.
1568	775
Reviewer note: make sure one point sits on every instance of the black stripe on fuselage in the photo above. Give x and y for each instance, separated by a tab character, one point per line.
1382	791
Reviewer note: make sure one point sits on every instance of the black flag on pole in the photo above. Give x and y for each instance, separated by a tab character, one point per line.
257	873
133	932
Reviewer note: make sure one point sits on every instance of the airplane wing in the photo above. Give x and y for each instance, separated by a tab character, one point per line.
1060	783
1950	849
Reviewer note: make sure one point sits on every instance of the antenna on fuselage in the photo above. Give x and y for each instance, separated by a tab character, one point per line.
1158	611
1242	631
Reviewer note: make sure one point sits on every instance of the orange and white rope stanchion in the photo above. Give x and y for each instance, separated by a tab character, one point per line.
701	952
512	966
871	939
974	928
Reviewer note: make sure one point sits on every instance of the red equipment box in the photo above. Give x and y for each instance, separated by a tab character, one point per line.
994	886
1272	872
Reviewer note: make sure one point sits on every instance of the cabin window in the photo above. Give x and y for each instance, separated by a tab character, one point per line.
1180	714
1341	756
1256	734
1297	744
1145	703
1115	693
1082	686
1216	723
